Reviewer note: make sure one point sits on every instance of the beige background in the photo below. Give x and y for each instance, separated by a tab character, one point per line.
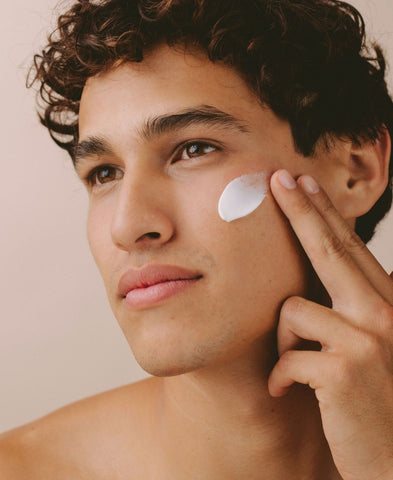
58	338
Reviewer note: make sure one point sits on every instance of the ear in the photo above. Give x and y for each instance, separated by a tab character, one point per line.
364	176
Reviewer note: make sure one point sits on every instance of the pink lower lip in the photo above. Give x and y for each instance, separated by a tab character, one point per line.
149	296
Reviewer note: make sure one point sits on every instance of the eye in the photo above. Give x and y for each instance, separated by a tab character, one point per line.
103	174
194	149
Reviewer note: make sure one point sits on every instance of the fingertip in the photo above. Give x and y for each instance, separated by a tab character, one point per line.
308	184
282	179
286	180
275	390
278	392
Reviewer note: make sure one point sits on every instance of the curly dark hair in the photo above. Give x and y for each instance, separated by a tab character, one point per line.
307	60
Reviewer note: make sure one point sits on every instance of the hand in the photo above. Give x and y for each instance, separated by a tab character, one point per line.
352	374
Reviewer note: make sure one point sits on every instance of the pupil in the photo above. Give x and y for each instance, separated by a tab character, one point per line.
104	175
193	149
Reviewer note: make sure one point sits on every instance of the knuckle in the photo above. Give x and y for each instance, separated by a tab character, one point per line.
292	307
303	206
328	209
328	206
352	241
333	248
385	320
369	345
286	359
343	371
373	348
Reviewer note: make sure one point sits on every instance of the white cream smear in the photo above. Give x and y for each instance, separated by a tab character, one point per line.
242	196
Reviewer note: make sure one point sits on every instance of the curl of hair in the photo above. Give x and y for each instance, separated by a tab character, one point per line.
306	59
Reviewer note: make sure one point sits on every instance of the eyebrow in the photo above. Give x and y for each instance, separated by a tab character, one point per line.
159	125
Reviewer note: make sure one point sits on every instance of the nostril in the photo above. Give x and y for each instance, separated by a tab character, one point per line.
153	235
149	236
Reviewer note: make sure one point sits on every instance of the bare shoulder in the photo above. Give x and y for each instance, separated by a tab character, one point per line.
97	437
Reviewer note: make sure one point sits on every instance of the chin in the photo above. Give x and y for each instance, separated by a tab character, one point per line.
160	368
171	358
173	344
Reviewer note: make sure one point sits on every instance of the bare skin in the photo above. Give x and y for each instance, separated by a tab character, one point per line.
225	352
129	434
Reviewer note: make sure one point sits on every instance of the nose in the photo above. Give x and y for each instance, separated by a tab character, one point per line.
141	218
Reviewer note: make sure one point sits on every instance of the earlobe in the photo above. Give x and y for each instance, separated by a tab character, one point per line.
368	174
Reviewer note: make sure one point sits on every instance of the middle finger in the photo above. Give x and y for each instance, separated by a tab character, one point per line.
342	278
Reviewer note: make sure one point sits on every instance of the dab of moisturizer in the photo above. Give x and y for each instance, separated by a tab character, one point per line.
242	196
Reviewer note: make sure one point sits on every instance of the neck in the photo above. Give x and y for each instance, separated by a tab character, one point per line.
226	417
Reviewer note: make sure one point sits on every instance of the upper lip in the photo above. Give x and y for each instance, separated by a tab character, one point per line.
153	274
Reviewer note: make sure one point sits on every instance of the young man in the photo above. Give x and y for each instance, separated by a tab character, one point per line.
161	104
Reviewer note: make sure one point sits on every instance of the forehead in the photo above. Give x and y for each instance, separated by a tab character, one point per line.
166	80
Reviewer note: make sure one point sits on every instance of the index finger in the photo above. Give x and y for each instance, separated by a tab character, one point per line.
342	278
356	248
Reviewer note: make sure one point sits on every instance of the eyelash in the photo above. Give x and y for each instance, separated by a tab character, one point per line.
91	177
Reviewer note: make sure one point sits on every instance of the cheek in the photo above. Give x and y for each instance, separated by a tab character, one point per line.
98	235
257	257
265	257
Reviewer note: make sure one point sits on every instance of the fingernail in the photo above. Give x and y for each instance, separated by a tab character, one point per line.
286	180
309	185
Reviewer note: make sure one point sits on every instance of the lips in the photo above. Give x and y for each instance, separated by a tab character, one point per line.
154	275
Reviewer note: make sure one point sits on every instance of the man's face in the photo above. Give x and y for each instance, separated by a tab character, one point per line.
154	202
